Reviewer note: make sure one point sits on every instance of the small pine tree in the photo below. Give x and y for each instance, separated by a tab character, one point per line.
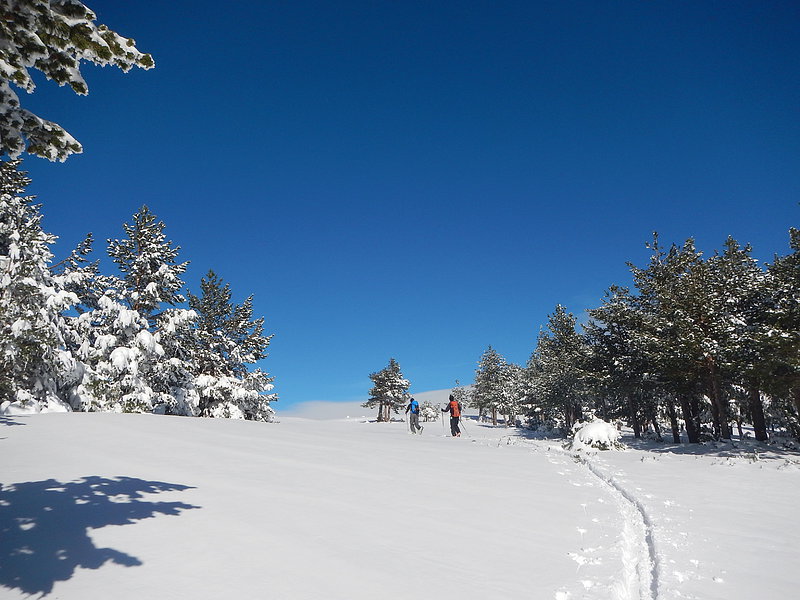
227	341
390	391
428	411
490	383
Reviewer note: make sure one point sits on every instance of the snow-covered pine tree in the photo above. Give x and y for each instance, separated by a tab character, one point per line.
36	370
151	275
389	392
491	381
54	37
462	394
689	325
556	370
742	304
121	356
136	356
227	342
621	360
784	330
513	393
428	411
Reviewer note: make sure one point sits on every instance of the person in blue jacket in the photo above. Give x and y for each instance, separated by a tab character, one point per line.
413	421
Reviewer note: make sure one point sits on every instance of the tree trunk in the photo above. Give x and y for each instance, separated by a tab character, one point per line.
656	427
494	416
796	398
756	407
634	409
690	418
718	408
380	412
673	422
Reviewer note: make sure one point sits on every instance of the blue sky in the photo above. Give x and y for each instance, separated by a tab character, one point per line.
420	180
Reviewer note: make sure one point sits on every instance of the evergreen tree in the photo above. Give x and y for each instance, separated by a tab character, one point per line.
742	304
556	371
678	319
228	341
121	356
54	37
36	370
513	393
491	382
389	392
783	283
620	359
151	275
134	355
462	394
428	411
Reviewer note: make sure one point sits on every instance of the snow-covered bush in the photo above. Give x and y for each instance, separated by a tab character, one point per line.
428	411
595	434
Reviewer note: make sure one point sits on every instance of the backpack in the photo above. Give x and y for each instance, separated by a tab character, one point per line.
455	408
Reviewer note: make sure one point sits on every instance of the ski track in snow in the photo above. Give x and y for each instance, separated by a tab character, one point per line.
639	558
640	565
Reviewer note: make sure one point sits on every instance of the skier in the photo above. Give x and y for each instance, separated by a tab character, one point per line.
413	421
454	408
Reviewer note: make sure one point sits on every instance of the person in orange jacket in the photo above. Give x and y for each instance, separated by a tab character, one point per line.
454	408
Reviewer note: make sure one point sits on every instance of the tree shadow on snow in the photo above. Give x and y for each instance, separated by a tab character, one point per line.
9	421
44	526
735	448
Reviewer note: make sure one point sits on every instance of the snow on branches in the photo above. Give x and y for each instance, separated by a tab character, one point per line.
76	339
53	37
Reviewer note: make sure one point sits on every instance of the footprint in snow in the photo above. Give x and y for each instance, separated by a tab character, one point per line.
583	560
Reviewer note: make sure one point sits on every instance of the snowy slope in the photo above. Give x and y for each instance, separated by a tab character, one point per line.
143	506
321	409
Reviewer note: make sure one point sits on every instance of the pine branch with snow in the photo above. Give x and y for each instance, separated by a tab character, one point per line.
53	37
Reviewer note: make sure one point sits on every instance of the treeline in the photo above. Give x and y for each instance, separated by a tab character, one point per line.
72	337
700	346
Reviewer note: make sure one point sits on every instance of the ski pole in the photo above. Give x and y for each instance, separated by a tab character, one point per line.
441	418
461	422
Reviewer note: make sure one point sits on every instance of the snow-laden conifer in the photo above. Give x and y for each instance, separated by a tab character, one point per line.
389	392
784	331
36	370
498	387
428	411
556	370
53	37
228	342
148	262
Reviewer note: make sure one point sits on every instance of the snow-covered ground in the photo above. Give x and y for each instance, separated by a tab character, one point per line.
99	505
